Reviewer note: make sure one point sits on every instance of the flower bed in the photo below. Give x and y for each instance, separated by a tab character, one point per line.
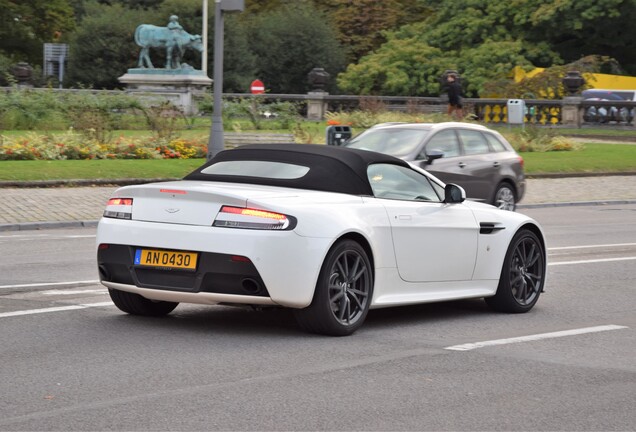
72	145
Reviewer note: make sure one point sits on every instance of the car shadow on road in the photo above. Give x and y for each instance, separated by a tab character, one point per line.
238	321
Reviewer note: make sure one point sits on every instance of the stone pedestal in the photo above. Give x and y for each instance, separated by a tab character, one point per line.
571	114
316	105
179	86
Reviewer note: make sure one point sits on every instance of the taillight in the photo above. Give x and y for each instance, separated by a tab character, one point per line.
521	162
249	218
119	201
119	208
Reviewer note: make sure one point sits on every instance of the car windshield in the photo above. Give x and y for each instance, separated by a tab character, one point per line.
393	141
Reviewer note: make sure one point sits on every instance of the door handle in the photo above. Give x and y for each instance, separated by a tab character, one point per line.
496	164
461	164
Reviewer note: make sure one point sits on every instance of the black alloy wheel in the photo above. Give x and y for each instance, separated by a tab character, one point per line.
522	276
343	292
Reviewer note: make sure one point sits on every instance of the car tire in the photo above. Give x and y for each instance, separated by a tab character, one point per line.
522	276
505	197
343	292
135	304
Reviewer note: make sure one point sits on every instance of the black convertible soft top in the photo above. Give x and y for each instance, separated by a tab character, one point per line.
331	168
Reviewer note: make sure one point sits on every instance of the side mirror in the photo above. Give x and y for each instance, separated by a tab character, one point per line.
454	194
432	155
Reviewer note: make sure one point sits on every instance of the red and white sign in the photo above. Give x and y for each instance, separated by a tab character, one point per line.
257	87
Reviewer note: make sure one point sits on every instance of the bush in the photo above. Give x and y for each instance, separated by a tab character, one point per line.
72	145
535	139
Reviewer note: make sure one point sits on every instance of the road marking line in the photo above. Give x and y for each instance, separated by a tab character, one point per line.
54	309
73	292
591	261
592	246
44	284
472	346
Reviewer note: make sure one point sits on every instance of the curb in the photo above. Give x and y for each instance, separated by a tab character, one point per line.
30	226
575	175
576	204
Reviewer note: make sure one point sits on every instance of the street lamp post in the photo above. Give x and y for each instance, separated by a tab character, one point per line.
204	54
215	143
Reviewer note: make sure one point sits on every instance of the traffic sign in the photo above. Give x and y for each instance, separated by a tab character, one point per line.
257	87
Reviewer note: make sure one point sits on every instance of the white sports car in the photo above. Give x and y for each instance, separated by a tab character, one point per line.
328	231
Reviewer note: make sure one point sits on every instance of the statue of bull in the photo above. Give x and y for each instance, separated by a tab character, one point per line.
174	41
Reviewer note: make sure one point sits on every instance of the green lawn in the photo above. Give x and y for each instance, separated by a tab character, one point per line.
594	158
96	169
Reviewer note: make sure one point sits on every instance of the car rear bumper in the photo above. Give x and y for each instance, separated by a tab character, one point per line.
248	264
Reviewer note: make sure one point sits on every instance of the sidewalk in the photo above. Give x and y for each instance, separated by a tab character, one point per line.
58	207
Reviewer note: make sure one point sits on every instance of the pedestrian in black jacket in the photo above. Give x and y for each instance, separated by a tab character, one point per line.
454	96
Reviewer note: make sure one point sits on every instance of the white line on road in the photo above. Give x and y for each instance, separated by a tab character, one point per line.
54	309
592	246
45	284
472	346
591	261
73	292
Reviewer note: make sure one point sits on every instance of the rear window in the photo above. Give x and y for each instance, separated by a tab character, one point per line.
495	143
261	169
396	142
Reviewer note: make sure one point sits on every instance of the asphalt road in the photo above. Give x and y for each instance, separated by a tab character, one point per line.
71	361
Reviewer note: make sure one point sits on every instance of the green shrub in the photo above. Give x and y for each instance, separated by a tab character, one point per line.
535	139
72	145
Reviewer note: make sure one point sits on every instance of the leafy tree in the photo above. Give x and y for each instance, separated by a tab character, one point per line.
27	24
484	40
361	23
240	63
103	47
289	42
577	28
407	67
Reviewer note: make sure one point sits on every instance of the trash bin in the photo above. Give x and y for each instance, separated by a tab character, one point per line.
516	111
337	135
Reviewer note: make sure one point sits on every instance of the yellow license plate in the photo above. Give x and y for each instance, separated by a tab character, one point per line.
165	258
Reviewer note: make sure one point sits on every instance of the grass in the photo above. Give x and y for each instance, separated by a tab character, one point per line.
586	131
96	169
593	158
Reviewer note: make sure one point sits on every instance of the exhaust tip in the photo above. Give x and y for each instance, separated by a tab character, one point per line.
251	286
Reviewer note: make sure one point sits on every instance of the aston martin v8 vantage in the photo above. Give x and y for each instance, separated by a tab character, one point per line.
330	232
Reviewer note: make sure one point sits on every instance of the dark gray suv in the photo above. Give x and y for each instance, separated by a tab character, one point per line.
477	158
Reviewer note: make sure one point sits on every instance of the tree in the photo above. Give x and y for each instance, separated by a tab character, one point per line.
289	42
103	47
27	24
484	40
578	28
361	23
404	67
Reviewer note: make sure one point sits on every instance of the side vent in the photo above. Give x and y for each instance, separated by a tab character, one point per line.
490	227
